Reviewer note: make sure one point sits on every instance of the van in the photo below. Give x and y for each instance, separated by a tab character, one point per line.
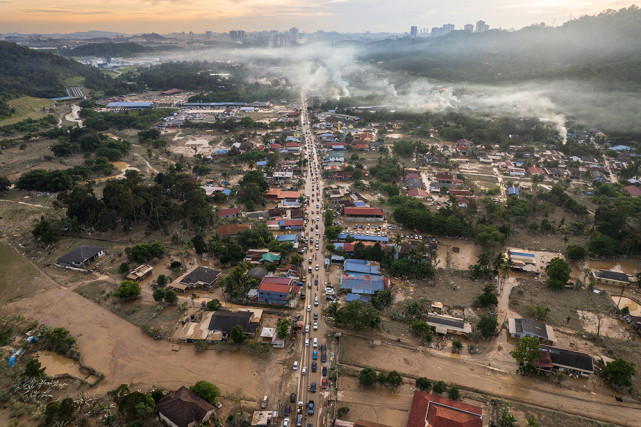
263	403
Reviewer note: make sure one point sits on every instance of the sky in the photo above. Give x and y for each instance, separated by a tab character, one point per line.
165	16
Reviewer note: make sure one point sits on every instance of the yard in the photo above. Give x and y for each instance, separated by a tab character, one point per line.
18	277
27	107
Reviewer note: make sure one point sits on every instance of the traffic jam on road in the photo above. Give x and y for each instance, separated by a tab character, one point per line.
313	352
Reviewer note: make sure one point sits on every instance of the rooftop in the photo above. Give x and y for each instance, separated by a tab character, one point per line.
434	411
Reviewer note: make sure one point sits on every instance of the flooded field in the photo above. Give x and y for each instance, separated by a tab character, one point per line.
60	365
633	306
603	325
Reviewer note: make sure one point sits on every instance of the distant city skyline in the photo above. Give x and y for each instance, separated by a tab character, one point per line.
199	16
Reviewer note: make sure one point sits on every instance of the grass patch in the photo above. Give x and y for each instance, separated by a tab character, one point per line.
74	81
27	107
148	316
18	277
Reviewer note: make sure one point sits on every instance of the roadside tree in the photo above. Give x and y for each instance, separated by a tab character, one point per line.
487	325
206	390
237	334
527	352
558	271
367	377
618	373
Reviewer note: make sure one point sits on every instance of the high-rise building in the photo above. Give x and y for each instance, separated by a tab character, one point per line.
208	35
481	27
436	31
237	35
413	31
293	34
447	28
469	28
191	36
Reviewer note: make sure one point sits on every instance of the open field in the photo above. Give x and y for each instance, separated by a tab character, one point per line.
18	277
27	107
74	81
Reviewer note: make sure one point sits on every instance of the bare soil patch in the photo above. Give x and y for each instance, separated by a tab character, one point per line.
18	277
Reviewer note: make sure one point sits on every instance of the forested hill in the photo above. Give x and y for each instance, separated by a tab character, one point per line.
27	72
605	48
109	49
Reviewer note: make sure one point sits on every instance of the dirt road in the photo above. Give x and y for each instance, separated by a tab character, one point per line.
457	370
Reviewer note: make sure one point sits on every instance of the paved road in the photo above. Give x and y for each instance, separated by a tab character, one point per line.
314	231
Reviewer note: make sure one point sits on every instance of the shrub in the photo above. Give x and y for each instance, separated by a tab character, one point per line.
454	393
128	289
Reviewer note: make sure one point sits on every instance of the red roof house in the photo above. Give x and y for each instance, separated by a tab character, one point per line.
363	212
435	411
632	190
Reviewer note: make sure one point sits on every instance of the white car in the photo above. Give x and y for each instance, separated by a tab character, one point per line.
309	307
315	344
296	365
306	328
286	422
329	291
316	301
315	326
316	267
304	371
306	344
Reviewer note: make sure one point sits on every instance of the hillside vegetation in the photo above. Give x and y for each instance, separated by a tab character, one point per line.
108	49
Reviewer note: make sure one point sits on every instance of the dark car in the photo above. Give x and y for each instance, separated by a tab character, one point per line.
315	316
312	388
287	410
292	397
314	366
296	318
310	408
324	371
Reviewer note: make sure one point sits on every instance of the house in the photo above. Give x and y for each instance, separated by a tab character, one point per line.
364	238
412	183
516	171
363	283
257	273
444	177
523	261
632	190
443	324
81	257
228	213
290	224
199	277
223	321
269	257
574	173
184	408
597	176
257	215
232	229
275	290
429	410
361	266
363	215
573	362
609	277
140	272
418	193
264	418
520	328
513	191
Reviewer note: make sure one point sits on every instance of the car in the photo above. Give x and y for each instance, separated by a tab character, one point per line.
309	307
316	281
312	387
329	291
324	371
309	259
315	355
329	298
315	316
296	365
306	342
316	301
315	325
316	270
286	422
323	347
324	383
316	232
310	408
315	343
307	328
299	420
316	249
296	318
292	397
314	366
317	242
287	410
304	370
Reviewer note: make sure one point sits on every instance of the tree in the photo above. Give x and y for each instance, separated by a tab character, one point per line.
4	183
60	412
454	393
237	334
457	346
34	368
419	327
171	297
58	340
394	379
488	296
438	387
206	390
47	231
558	271
342	411
423	384
123	268
358	315
526	352
506	419
128	289
162	280
367	377
199	244
618	373
134	405
575	253
213	305
282	326
159	295
381	378
487	325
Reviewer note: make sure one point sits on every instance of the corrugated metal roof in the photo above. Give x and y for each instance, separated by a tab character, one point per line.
129	104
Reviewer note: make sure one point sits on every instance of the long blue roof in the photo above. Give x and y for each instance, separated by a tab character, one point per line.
359	266
129	104
286	237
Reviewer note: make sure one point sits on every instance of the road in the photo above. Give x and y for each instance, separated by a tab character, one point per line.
314	231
